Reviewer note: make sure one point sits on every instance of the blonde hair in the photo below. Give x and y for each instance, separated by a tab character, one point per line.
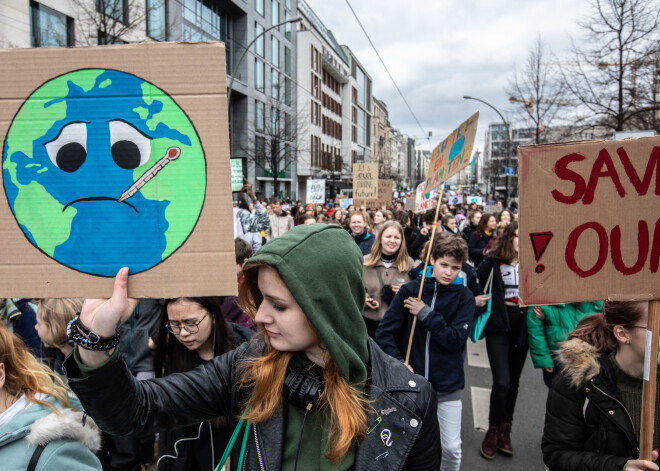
402	259
56	313
344	406
25	374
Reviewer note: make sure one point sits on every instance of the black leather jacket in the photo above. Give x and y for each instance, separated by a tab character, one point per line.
405	403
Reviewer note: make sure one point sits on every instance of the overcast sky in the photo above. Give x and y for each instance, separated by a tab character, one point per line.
440	50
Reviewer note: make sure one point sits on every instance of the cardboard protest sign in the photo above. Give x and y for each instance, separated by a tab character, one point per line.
365	181
383	198
453	154
475	199
424	199
316	191
236	174
113	157
589	228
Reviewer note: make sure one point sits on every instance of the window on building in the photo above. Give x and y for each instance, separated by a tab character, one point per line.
105	39
259	43
287	3
259	6
116	9
362	87
287	126
259	75
287	91
274	12
287	26
204	21
274	121
274	84
275	51
260	151
287	60
156	19
259	116
49	27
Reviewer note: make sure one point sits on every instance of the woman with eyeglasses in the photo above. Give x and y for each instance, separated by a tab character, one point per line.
594	409
312	392
192	332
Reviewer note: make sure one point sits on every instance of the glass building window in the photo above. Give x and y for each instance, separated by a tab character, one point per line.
362	86
287	3
287	60
204	21
274	12
259	43
274	84
287	91
287	27
275	51
116	9
259	116
259	69
49	27
274	121
259	6
156	20
260	151
361	131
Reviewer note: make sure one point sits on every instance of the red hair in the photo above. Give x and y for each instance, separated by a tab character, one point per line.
342	404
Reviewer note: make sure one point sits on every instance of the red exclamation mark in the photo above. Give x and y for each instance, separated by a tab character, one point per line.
540	241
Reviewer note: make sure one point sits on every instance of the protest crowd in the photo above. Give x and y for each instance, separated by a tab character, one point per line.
344	350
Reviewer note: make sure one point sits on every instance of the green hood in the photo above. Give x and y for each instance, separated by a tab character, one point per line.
322	267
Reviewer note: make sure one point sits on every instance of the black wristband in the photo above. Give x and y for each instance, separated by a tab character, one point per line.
85	338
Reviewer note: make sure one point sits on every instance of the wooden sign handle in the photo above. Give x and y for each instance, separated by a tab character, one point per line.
421	284
649	388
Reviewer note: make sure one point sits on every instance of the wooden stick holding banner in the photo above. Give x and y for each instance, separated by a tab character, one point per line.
649	386
421	284
448	158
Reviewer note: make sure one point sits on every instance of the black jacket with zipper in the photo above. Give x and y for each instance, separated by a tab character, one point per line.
587	427
403	404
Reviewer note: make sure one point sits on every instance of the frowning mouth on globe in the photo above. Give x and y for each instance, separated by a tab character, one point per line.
99	198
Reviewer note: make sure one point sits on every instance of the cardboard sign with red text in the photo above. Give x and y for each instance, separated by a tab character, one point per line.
424	199
590	225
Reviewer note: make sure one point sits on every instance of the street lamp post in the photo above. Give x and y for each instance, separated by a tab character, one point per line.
508	138
240	59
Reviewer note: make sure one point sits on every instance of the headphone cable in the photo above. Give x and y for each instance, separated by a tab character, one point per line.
307	409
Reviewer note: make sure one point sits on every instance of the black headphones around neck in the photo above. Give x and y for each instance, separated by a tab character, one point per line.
303	386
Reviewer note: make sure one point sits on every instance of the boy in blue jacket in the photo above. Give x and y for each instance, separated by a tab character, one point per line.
444	317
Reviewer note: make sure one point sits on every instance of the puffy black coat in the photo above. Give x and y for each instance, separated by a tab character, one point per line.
586	424
122	405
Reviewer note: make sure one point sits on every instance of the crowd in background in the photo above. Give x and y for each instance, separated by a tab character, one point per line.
468	270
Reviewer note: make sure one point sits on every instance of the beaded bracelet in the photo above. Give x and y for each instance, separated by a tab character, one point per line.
88	339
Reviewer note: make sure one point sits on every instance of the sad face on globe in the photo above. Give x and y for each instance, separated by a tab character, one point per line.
103	170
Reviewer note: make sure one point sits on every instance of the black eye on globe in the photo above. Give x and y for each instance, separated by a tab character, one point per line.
71	156
126	154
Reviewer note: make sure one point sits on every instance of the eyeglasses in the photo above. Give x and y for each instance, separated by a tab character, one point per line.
190	328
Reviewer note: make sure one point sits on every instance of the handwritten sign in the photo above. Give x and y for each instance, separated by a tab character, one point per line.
365	181
345	202
590	228
453	154
316	191
236	174
424	199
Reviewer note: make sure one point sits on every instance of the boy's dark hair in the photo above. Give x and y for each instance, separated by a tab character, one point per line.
401	217
305	217
446	218
429	216
242	250
450	245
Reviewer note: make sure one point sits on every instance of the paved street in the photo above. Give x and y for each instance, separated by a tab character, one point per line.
528	418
